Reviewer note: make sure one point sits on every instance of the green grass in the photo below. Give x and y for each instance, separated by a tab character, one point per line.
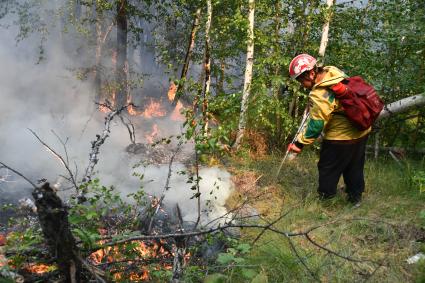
382	232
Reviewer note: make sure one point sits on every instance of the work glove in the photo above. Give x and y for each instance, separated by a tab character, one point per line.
293	148
293	151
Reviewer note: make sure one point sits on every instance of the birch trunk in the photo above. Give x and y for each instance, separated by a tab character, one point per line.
248	75
189	52
207	67
402	105
325	31
121	67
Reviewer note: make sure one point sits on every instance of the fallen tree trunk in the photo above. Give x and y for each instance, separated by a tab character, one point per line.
402	105
53	217
396	149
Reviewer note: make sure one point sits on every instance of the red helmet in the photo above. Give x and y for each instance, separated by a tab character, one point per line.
300	64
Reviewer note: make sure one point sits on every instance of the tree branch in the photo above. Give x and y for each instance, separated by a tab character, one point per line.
96	144
64	163
166	187
19	174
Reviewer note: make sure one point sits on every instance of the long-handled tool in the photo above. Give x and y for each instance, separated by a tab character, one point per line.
303	123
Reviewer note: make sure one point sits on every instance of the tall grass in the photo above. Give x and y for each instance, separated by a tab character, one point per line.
382	233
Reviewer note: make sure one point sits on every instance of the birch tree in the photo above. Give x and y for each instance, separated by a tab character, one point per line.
248	75
207	67
325	31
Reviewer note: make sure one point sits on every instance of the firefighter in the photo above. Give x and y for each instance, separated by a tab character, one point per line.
343	147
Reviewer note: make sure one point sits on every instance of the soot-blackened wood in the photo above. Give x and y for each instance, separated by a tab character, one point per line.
53	217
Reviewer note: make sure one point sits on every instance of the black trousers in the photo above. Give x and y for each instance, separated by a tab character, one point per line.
344	158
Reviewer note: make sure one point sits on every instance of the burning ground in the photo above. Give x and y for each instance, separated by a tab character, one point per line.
48	99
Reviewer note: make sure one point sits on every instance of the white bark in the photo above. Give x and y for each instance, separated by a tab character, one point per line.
325	30
402	105
207	67
248	75
208	49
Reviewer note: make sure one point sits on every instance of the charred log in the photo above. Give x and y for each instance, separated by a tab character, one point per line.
53	217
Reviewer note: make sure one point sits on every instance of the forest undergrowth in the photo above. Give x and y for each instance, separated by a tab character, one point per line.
377	237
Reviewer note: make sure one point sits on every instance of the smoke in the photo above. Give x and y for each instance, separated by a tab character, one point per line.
48	98
215	187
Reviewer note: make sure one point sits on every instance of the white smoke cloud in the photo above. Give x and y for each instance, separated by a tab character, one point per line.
215	187
47	96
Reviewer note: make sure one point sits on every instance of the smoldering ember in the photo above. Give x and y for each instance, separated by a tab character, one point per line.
167	141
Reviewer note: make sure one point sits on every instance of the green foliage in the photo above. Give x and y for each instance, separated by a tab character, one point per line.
418	179
103	205
23	241
380	228
229	266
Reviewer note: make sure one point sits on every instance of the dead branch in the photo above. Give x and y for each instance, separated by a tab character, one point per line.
64	163
63	145
188	56
308	237
4	178
294	249
19	174
166	187
96	272
228	226
271	224
179	251
107	32
198	193
96	144
130	127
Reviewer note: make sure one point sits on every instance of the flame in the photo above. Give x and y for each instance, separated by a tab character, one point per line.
153	110
177	115
144	276
172	91
98	256
143	250
155	131
104	109
38	268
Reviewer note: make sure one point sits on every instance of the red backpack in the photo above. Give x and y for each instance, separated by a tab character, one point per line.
360	101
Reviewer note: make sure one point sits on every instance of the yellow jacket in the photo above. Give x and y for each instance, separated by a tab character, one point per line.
327	114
